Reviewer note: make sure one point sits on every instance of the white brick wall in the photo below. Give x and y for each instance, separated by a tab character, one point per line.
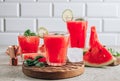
9	10
102	10
118	41
53	0
20	24
36	9
45	0
1	25
52	24
8	38
77	8
112	0
18	15
112	25
1	0
20	0
95	22
86	0
108	38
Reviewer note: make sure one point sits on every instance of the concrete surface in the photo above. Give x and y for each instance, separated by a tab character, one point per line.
14	73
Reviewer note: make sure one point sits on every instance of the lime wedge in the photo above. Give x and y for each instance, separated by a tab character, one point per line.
67	15
42	31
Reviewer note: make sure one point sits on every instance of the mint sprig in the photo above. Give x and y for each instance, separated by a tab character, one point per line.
79	19
29	62
34	62
28	32
114	53
40	64
38	57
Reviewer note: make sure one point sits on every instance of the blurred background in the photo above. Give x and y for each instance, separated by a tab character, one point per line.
18	15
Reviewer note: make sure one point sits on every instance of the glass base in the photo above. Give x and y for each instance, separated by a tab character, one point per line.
56	64
75	54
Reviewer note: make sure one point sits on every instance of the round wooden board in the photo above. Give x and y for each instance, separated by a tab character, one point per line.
50	72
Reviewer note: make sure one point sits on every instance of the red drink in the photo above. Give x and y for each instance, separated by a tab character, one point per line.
28	44
77	30
56	48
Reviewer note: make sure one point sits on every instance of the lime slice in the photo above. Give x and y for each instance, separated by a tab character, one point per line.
42	31
67	15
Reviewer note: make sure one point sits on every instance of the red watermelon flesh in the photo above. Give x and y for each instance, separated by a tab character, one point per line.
26	56
97	55
42	50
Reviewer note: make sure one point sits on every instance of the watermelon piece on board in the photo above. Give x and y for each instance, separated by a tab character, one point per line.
31	56
97	55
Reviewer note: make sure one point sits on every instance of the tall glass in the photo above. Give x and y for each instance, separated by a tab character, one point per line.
56	45
28	44
77	30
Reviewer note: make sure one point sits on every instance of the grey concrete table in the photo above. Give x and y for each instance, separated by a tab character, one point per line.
14	73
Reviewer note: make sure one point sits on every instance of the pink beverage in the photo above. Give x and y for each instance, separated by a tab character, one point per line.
77	30
56	48
28	44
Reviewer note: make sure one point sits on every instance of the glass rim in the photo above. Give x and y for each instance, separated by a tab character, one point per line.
28	36
76	21
64	33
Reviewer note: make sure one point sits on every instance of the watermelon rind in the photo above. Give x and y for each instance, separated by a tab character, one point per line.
99	65
29	55
87	63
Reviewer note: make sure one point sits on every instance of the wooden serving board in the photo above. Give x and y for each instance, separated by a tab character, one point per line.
51	72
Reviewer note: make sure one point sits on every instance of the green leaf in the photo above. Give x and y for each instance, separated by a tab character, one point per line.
25	62
32	34
84	52
56	34
40	64
29	62
36	61
29	33
114	53
37	57
79	19
118	54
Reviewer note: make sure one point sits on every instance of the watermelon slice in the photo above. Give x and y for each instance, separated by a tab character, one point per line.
97	55
31	56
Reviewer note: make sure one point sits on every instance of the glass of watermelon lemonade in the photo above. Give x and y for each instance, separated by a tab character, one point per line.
77	30
28	44
56	44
